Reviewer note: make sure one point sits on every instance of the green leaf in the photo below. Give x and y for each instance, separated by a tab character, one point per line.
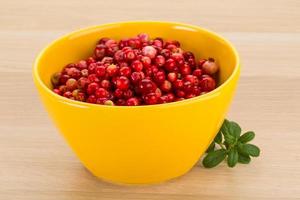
235	129
232	158
247	137
230	139
219	138
244	159
211	147
225	126
214	158
249	149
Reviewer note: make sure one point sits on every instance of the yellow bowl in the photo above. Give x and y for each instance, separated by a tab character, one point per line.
144	144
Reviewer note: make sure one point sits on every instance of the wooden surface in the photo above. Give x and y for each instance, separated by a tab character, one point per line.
35	162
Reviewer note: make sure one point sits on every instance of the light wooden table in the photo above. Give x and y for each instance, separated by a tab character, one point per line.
35	162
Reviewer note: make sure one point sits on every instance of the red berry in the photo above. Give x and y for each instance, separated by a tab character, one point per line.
107	59
137	77
187	86
93	78
121	102
99	51
91	99
191	95
92	87
197	73
129	55
207	83
178	84
103	40
147	86
150	98
157	42
63	78
178	57
171	97
92	68
165	53
149	51
170	65
160	76
180	93
160	60
101	93
68	94
185	69
190	78
201	62
163	99
119	55
143	37
118	93
57	91
137	65
122	83
90	60
132	101
127	94
74	72
100	71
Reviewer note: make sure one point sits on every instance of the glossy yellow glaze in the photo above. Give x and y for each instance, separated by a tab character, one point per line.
144	144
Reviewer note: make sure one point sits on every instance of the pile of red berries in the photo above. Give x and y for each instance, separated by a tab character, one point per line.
136	71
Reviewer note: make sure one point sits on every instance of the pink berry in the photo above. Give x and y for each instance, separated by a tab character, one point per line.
172	76
82	64
149	51
105	84
112	70
166	86
210	66
146	61
71	84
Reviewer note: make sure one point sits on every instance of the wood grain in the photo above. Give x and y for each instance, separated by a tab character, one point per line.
35	162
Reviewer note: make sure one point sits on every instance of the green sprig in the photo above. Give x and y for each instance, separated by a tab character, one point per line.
230	145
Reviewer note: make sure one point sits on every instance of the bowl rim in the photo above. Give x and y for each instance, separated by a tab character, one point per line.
38	81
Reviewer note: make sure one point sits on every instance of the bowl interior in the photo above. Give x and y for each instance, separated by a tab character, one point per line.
80	44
